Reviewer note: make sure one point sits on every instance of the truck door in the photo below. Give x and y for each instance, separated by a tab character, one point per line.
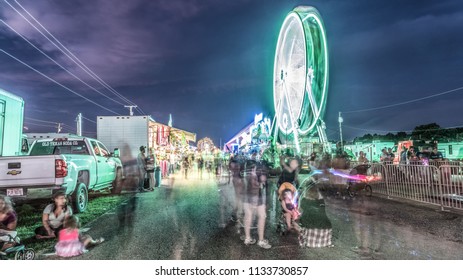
100	163
110	164
2	124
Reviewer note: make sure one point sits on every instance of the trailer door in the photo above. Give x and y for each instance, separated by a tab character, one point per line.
2	125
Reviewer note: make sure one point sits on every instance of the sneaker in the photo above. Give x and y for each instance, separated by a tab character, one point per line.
249	241
264	244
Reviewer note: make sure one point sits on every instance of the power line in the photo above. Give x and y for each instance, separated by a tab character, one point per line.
88	119
81	65
54	61
68	126
77	61
43	125
56	82
32	119
34	122
405	102
378	130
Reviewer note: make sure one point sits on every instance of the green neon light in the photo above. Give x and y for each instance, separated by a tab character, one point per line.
302	27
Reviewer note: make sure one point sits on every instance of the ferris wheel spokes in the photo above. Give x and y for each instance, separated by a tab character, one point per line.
300	69
293	122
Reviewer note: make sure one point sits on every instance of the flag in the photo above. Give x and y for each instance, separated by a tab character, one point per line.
170	120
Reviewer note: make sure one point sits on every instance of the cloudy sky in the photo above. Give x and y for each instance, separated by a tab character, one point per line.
210	62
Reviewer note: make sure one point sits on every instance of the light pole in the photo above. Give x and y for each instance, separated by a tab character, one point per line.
79	124
340	120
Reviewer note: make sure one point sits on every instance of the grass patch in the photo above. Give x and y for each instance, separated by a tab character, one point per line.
30	217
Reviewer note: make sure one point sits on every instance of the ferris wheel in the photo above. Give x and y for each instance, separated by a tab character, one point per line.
300	77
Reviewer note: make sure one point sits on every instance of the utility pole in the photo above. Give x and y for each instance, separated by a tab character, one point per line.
79	124
130	108
340	120
59	128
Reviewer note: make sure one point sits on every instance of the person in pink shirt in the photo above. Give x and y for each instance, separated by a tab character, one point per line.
70	242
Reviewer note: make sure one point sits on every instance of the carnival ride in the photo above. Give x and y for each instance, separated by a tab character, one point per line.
300	78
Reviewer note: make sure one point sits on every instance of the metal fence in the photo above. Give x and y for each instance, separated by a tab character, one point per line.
440	183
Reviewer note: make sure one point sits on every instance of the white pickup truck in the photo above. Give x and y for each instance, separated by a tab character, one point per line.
77	165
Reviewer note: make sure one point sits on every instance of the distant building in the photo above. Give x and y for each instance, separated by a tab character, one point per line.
251	137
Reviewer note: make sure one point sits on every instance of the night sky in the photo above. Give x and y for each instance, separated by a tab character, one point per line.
209	63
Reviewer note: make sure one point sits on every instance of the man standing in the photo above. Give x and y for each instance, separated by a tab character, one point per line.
172	163
186	166
404	155
436	155
385	156
141	162
200	166
390	154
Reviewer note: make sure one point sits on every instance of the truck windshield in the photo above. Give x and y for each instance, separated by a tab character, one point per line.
59	147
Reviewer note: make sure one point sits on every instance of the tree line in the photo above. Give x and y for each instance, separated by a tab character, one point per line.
430	132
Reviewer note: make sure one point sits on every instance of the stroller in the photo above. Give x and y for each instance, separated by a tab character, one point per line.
282	227
19	250
286	189
358	181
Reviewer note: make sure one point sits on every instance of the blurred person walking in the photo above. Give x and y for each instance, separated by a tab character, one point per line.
200	167
186	166
290	171
255	204
316	229
141	163
362	158
238	184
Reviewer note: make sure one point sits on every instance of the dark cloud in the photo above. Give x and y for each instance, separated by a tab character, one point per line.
210	63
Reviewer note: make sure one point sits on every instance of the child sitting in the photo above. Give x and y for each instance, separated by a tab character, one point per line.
70	242
290	210
8	221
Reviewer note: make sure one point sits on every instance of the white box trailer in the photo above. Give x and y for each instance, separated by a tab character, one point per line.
11	125
372	150
126	133
451	150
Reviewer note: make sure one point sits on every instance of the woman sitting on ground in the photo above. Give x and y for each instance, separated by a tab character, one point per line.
8	221
53	216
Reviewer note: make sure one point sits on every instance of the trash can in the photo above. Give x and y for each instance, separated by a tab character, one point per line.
157	176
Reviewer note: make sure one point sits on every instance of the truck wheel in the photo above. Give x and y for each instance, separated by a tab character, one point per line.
80	197
117	183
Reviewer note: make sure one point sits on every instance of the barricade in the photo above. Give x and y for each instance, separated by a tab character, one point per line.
439	183
378	183
439	163
451	178
414	182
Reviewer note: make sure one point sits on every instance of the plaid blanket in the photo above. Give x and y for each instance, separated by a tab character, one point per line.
315	238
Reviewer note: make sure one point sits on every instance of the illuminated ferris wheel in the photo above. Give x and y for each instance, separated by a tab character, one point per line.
300	78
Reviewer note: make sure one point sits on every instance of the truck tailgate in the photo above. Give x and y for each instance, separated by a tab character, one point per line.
27	171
